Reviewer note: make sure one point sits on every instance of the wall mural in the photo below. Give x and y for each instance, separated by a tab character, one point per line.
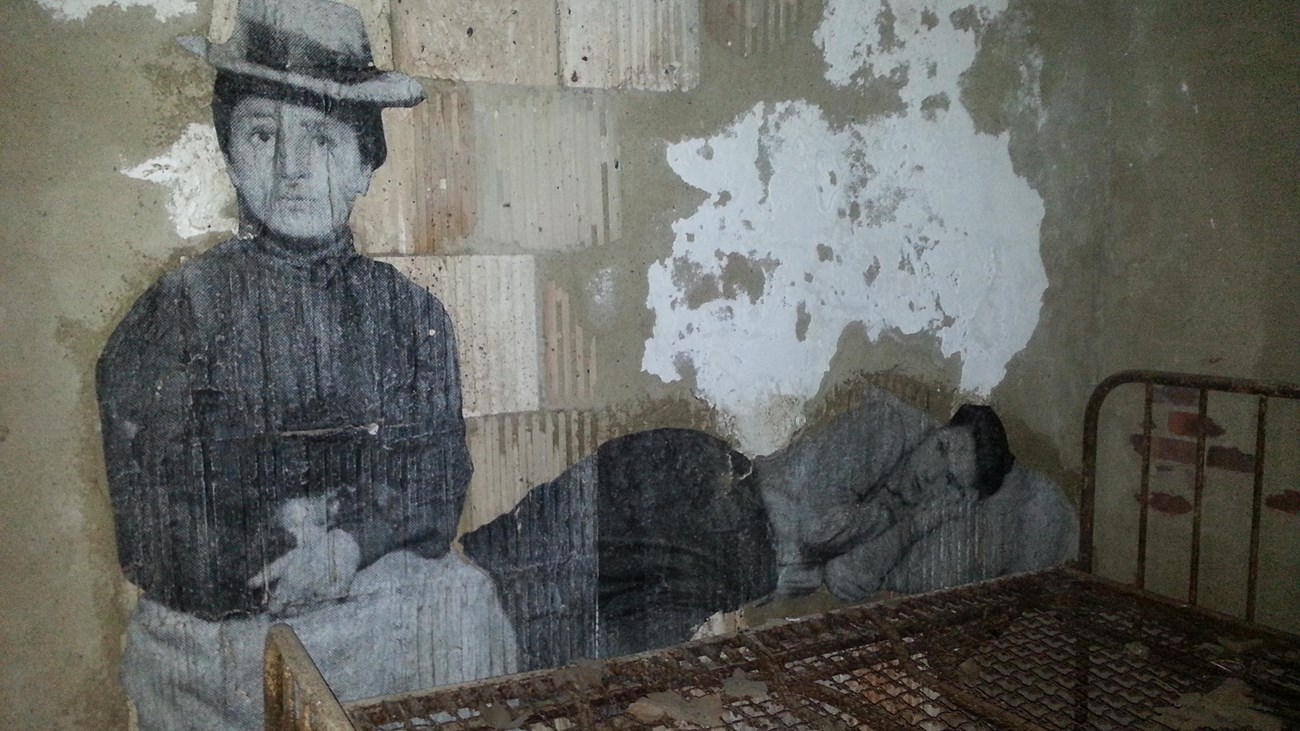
282	416
284	442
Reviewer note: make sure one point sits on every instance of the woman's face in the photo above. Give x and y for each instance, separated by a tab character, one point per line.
297	169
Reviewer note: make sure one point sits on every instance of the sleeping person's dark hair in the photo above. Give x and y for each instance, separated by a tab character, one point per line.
364	118
993	458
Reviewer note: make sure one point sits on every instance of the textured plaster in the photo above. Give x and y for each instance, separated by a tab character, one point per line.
79	242
914	221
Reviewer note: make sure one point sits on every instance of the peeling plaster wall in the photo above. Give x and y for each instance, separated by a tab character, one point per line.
913	220
1100	185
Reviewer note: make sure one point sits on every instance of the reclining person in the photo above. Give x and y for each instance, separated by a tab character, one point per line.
637	545
915	507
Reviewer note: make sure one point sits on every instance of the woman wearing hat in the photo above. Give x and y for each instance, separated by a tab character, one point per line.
282	417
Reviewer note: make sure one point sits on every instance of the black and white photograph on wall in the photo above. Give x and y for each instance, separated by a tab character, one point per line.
285	441
282	416
660	533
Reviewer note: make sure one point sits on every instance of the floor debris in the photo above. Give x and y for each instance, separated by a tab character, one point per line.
739	685
1227	706
703	711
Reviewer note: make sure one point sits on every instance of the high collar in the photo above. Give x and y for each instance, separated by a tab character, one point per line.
319	260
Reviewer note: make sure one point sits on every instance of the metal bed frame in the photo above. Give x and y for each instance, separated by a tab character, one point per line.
1054	649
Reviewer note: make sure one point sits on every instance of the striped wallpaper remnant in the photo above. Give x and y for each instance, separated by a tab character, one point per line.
652	45
570	357
548	168
748	27
425	195
513	453
497	42
493	305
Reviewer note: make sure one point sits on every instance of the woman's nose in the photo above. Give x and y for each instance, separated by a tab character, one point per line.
293	156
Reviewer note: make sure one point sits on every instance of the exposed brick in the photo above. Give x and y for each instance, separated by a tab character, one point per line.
1169	450
1173	395
1163	502
1230	458
1287	502
1186	424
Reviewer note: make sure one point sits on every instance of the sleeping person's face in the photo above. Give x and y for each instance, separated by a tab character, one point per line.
942	466
298	170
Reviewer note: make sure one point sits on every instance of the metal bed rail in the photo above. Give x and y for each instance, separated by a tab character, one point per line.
1050	650
296	695
1203	385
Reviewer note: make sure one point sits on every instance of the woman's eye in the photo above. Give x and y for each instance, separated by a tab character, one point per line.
262	135
324	140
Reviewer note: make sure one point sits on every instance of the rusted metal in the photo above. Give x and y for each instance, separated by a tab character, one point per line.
297	697
1092	416
1034	651
1198	497
1257	497
1144	492
960	696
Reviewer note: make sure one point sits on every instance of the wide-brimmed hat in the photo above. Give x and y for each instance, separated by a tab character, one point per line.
316	45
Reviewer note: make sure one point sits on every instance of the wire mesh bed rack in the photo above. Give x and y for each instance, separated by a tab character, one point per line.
1056	649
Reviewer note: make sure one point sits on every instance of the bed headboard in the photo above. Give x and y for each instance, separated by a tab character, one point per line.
1262	391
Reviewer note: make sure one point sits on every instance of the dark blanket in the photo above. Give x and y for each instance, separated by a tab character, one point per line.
630	549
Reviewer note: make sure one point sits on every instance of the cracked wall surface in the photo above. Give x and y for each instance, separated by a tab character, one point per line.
1002	200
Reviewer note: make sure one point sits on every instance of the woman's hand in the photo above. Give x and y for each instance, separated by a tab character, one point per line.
319	568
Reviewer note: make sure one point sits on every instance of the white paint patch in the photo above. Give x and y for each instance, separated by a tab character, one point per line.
195	171
163	10
915	222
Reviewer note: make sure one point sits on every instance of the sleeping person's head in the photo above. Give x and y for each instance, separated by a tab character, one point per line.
967	457
992	455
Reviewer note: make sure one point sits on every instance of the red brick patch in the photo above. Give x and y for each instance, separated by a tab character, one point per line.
1163	502
1170	450
1230	458
1287	502
1186	424
1184	452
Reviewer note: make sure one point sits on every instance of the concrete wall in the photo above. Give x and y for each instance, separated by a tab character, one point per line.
1006	200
